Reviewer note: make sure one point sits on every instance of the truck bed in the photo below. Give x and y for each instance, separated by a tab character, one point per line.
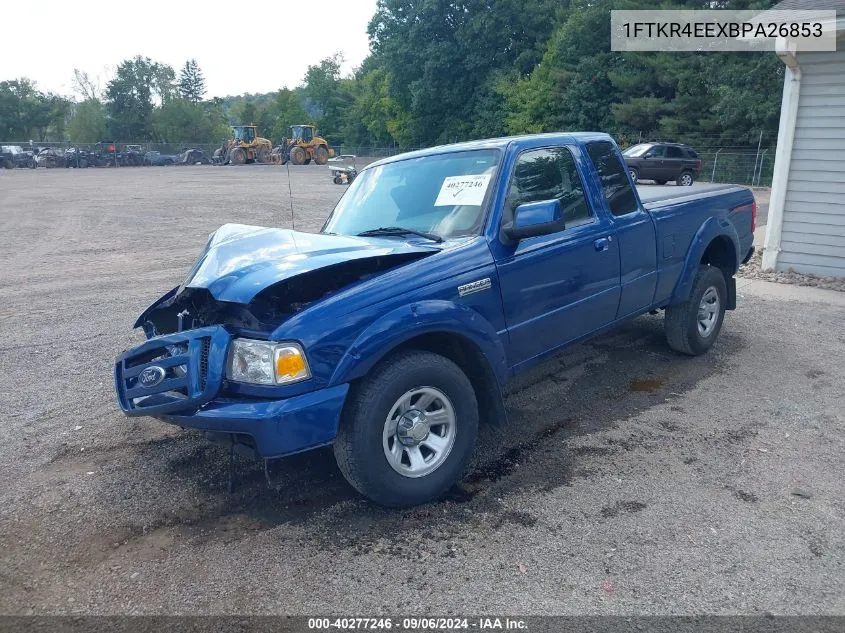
655	196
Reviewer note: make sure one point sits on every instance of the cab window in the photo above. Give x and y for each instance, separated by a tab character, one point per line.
547	174
614	178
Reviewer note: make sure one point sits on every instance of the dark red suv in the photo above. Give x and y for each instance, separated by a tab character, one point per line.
662	162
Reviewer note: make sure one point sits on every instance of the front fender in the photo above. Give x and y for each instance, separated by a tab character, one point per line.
710	230
416	319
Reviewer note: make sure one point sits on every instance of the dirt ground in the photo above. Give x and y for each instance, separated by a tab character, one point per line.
631	479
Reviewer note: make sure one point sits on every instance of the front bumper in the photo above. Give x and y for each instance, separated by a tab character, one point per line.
276	427
189	394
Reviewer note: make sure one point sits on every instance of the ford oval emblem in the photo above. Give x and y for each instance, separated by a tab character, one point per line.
151	376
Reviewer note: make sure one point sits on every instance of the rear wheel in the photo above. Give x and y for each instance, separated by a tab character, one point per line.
685	179
321	156
237	156
408	430
693	326
297	155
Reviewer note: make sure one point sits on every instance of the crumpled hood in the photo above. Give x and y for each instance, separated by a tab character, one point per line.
239	260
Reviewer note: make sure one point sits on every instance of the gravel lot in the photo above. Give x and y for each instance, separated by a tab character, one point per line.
631	480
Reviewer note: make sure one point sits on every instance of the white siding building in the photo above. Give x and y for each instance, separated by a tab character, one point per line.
805	231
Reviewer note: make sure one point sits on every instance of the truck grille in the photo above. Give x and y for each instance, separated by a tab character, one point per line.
206	346
171	373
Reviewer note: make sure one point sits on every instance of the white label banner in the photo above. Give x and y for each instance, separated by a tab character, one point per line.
463	190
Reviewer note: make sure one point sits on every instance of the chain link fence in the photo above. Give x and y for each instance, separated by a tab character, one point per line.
735	165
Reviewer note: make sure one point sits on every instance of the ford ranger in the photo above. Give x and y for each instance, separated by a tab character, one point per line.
438	276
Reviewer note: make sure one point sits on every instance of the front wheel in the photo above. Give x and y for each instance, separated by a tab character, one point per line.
408	430
634	174
692	326
237	156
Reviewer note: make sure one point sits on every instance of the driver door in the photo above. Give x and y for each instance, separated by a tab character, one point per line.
652	163
561	286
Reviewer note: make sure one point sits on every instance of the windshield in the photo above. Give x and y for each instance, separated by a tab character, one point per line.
441	194
637	150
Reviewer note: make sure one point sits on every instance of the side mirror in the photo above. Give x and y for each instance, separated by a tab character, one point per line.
534	218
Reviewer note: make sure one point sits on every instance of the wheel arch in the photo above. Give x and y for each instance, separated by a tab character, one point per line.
453	331
715	243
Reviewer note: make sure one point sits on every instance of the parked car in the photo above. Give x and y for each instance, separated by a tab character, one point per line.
439	276
662	162
78	157
193	156
50	157
132	155
157	159
12	156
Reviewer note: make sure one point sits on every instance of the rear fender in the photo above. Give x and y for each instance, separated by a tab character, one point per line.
710	230
416	319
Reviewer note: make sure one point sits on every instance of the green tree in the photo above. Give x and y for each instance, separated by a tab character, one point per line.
191	82
324	87
287	110
443	58
182	120
27	113
129	96
88	122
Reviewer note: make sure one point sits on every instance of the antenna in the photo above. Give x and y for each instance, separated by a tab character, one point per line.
290	195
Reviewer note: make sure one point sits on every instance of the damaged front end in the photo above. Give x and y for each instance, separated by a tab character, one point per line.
187	308
247	282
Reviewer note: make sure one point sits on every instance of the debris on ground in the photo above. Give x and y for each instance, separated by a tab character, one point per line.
753	270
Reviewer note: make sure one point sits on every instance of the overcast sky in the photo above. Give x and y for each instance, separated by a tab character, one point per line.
45	40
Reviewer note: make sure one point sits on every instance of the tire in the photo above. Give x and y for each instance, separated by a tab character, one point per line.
684	331
686	179
337	180
297	155
635	174
9	164
363	440
237	156
263	156
661	182
321	156
31	164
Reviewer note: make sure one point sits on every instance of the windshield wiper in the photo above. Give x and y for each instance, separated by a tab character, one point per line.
398	230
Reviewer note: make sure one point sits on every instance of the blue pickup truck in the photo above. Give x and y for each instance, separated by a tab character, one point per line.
438	276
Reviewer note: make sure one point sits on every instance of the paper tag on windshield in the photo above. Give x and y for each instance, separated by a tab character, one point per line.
462	190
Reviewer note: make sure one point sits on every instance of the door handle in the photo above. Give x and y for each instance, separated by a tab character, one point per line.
603	243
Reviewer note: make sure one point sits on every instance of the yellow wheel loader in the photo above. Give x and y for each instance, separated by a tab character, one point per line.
304	145
246	146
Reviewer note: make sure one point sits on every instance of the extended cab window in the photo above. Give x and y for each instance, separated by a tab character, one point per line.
547	174
614	178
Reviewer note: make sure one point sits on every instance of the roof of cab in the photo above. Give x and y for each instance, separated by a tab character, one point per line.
518	142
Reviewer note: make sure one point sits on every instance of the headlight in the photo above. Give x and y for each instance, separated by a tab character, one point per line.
266	363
